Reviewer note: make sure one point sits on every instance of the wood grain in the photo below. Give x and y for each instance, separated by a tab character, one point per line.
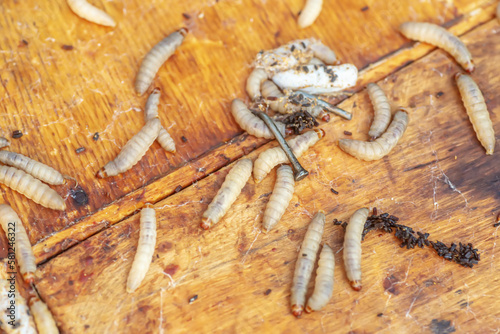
437	179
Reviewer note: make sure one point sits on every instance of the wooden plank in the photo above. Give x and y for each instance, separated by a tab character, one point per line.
438	180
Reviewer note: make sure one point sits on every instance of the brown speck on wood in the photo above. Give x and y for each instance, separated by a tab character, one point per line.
334	191
17	134
365	8
439	94
95	137
192	299
184	139
80	150
268	291
380	315
79	196
186	16
171	269
348	133
178	188
67	47
277	33
23	43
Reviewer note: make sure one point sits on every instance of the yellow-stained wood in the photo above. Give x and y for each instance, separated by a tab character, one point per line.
437	180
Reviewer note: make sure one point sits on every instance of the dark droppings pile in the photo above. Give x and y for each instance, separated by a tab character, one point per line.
299	121
463	254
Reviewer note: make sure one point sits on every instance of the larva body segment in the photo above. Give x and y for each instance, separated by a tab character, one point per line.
150	112
90	13
251	123
382	110
305	263
145	249
256	78
10	221
440	37
375	150
32	188
44	320
272	157
316	61
476	109
352	247
133	150
227	194
316	79
280	198
310	13
155	58
281	104
323	53
34	168
4	142
323	287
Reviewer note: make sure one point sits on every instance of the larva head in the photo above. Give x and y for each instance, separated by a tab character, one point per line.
297	310
325	117
148	205
257	179
469	67
102	173
320	132
29	277
183	31
356	285
490	151
157	90
206	223
34	299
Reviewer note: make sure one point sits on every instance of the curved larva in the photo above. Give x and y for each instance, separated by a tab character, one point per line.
24	253
280	198
352	247
323	287
155	58
268	159
255	79
382	110
44	320
34	168
314	79
305	263
4	142
310	13
375	150
145	248
476	109
32	188
440	37
90	13
251	123
150	112
227	194
133	151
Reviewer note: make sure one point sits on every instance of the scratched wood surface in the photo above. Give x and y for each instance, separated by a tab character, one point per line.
437	180
59	97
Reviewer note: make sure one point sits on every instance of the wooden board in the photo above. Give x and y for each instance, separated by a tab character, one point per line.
437	180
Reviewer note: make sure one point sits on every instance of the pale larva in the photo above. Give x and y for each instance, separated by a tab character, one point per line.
323	287
251	123
476	109
322	53
133	150
315	79
150	112
155	58
382	110
90	13
310	13
254	81
316	61
375	150
4	142
228	192
440	37
268	159
280	198
14	230
32	188
44	320
305	263
352	247
34	168
145	248
280	104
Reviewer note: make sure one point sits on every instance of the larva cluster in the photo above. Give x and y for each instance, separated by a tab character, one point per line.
36	169
151	112
251	123
310	12
90	13
382	110
280	198
352	247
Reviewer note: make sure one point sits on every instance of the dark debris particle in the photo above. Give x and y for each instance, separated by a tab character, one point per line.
184	139
67	47
334	191
17	134
304	254
268	291
23	42
80	150
348	133
299	121
365	8
95	137
380	315
79	196
439	94
186	16
192	299
201	170
178	188
441	327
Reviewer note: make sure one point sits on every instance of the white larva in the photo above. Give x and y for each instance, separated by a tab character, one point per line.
382	110
227	194
352	247
255	79
272	157
305	263
90	13
155	58
280	198
34	168
133	150
316	61
32	188
315	79
150	112
440	37
310	12
251	123
14	230
145	248
375	150
4	142
322	53
44	320
323	287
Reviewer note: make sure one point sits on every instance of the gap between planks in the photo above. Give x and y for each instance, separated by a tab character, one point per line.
241	145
